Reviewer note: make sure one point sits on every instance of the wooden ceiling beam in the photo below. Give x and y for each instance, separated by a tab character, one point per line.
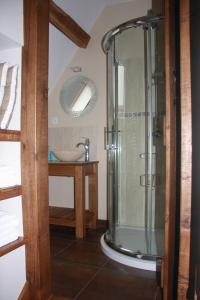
63	22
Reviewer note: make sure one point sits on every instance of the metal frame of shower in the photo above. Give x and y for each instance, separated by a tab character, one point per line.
145	22
142	21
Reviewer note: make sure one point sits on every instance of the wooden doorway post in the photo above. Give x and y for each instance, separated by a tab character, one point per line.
34	146
186	150
170	207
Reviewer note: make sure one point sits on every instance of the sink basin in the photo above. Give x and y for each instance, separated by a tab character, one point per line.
69	155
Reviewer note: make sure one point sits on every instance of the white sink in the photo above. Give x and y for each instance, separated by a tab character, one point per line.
70	155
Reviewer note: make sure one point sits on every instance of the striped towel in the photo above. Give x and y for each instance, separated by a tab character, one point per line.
9	98
3	76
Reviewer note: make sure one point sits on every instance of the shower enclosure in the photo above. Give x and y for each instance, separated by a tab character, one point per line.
135	143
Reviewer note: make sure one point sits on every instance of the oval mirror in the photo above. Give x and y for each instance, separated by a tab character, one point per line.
78	96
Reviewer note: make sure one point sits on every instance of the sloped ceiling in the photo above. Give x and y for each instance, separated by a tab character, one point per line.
61	49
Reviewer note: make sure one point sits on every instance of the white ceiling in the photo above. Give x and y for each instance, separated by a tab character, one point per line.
61	49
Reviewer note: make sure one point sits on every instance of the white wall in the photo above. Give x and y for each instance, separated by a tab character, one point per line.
93	63
12	265
11	19
61	49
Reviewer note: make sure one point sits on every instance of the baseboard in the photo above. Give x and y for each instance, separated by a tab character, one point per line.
25	295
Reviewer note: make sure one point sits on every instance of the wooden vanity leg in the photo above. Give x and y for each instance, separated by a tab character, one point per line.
93	195
79	182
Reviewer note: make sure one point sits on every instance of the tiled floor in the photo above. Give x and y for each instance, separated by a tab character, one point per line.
81	271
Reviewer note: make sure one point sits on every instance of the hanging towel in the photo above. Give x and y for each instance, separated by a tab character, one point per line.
9	98
3	76
52	156
3	73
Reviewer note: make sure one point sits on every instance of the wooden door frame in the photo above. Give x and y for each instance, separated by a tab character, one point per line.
34	137
186	154
170	132
35	141
186	150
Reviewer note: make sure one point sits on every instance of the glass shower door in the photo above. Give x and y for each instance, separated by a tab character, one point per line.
132	142
126	141
131	120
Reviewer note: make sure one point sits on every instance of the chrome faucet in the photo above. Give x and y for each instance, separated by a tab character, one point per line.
86	145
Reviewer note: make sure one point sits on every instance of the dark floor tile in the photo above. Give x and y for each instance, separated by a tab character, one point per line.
62	231
113	265
81	271
84	252
57	244
110	284
94	235
68	279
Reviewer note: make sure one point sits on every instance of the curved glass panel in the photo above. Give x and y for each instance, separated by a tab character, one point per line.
136	152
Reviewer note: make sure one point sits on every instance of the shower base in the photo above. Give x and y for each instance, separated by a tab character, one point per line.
130	238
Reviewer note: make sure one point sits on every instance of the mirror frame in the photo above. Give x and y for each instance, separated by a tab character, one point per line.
70	92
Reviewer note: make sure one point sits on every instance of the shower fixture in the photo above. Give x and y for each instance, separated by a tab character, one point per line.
135	143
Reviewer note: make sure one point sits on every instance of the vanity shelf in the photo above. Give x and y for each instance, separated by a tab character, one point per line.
66	217
79	217
12	246
10	135
10	192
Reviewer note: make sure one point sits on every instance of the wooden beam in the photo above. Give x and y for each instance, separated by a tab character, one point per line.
170	132
186	150
63	22
34	135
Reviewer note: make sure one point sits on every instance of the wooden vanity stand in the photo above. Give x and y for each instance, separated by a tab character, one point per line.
77	217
